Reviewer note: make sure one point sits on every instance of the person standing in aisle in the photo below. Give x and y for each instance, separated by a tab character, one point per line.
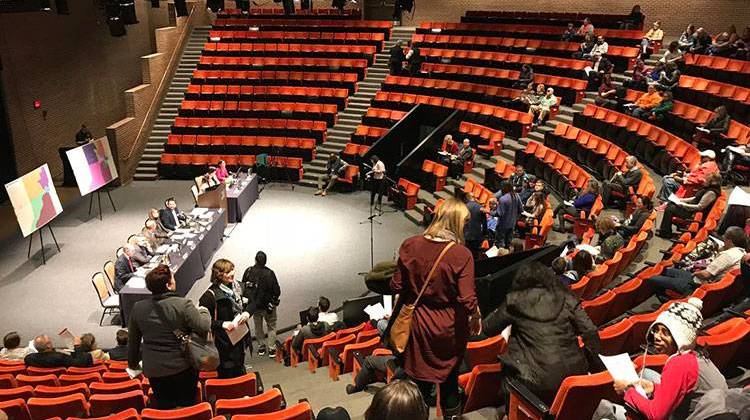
377	174
261	288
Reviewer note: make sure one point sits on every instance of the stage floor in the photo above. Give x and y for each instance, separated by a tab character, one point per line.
316	246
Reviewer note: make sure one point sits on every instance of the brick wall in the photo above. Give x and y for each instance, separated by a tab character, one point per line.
75	68
715	15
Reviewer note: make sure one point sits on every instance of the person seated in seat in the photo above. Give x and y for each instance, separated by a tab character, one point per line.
659	112
414	61
533	211
314	328
685	378
742	45
47	357
152	236
120	351
600	47
583	202
633	223
622	182
686	40
647	102
526	96
684	281
640	75
335	169
153	214
581	265
171	217
710	133
88	344
673	55
669	78
723	45
533	185
541	111
143	251
672	182
546	320
12	349
685	208
518	179
221	173
701	41
607	94
586	46
634	19
465	154
586	28
401	399
610	241
537	96
125	266
654	34
570	33
599	67
449	149
525	76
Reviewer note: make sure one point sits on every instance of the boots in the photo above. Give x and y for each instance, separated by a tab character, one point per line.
452	413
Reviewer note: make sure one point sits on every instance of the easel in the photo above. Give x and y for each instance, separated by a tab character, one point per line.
99	199
41	242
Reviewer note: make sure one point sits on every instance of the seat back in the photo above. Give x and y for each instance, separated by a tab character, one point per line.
482	388
74	405
579	396
200	411
109	270
268	402
485	351
104	404
22	392
300	411
100	286
44	391
241	386
15	409
50	380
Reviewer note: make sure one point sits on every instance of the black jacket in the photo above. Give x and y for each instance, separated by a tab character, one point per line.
119	353
220	307
543	348
167	218
396	55
634	223
162	353
123	271
54	359
260	288
631	178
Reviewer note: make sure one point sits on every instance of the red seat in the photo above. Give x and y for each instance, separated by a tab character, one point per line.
129	414
37	371
7	381
68	406
485	351
22	392
115	387
85	378
301	411
15	409
50	380
103	404
242	386
44	391
481	387
267	402
200	411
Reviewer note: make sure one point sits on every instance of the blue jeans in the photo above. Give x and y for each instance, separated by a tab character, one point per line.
675	279
668	186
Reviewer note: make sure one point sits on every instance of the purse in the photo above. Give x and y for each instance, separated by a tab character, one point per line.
401	327
200	352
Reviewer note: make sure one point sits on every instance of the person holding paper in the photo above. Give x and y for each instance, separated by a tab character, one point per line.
710	133
672	182
685	208
621	182
687	375
582	203
546	320
223	299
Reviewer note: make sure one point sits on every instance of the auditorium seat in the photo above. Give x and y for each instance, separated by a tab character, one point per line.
404	194
242	386
129	414
485	351
201	411
319	356
87	378
74	405
300	411
302	357
481	387
115	387
341	362
39	371
50	380
44	391
16	409
103	404
727	343
22	392
267	402
7	381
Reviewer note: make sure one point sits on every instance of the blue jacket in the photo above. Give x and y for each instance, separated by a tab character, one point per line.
474	228
509	208
585	202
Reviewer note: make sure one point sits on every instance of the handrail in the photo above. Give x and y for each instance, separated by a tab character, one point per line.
146	118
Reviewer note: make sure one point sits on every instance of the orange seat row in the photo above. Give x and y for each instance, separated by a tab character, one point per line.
297	35
289	48
437	27
256	91
251	123
231	160
260	106
462	87
270	76
731	65
209	61
192	140
365	134
492	139
249	21
502	57
277	11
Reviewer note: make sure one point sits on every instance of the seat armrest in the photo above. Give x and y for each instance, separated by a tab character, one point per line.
259	383
524	393
359	358
335	356
312	351
283	397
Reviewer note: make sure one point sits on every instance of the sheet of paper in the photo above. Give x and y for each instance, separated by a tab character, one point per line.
674	199
506	333
568	202
376	312
137	282
588	248
240	330
198	211
621	368
492	252
388	304
735	149
739	197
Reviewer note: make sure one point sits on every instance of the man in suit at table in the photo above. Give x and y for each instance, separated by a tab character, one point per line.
170	216
125	266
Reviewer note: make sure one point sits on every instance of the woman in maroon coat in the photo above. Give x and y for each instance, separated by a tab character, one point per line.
447	313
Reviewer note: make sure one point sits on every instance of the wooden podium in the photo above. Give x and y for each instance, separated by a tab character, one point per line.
215	198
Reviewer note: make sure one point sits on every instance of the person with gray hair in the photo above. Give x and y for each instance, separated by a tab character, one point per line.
125	266
47	357
621	182
685	282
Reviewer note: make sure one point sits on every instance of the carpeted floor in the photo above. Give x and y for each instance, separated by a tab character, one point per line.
316	246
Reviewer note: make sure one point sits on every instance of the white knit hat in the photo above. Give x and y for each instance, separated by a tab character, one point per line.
683	320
